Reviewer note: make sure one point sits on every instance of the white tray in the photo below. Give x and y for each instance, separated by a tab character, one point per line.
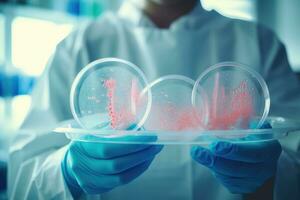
281	127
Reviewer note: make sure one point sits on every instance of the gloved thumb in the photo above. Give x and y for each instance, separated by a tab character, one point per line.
202	156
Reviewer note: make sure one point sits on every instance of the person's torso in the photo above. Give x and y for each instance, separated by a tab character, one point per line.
160	52
188	52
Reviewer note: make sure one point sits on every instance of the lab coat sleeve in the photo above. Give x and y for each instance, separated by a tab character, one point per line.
284	90
283	83
36	175
35	156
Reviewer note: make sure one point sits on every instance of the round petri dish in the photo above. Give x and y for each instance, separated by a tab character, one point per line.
172	109
105	95
237	96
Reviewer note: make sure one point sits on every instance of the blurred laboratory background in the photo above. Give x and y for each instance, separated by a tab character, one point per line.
30	30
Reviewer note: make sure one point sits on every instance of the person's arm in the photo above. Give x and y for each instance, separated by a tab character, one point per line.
35	156
283	84
34	166
284	87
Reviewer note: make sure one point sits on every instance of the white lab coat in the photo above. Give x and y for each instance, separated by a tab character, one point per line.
188	47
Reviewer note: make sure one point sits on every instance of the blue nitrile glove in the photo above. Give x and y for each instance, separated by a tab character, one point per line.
241	167
96	168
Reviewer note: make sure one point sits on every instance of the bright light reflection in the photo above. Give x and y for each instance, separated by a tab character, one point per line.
241	9
33	42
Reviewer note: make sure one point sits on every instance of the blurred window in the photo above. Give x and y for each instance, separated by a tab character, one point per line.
240	9
28	37
33	42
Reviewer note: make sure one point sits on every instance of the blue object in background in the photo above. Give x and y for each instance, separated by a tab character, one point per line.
14	85
87	8
11	86
73	7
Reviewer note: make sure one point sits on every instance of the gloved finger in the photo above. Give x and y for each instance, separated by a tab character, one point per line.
254	152
115	165
241	169
202	155
121	164
230	167
132	173
96	184
88	184
239	185
109	150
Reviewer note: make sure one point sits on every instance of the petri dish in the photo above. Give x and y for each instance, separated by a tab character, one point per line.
237	96
105	95
172	109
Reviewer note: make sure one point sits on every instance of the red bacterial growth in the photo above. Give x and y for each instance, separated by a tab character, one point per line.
189	119
176	118
110	86
121	116
134	96
227	110
232	110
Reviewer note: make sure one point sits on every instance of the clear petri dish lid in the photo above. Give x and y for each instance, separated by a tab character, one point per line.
172	109
105	95
237	96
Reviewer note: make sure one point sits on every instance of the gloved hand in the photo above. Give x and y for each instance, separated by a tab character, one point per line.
96	168
241	167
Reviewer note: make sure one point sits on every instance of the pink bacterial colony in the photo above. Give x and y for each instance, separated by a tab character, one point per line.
225	112
110	86
120	116
189	119
176	118
230	110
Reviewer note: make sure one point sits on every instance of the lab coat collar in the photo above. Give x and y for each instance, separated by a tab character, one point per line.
193	20
134	15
